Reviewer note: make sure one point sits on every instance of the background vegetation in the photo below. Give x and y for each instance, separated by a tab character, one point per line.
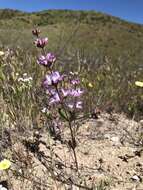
104	50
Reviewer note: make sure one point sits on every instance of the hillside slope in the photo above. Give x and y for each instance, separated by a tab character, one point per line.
110	35
104	49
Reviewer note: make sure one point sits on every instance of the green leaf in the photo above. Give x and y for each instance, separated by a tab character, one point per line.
63	114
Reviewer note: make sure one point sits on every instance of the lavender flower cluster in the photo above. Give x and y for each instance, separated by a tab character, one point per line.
61	89
63	93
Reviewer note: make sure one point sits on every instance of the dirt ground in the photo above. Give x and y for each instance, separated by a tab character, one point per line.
109	153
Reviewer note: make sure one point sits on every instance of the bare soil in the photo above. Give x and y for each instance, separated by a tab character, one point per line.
109	153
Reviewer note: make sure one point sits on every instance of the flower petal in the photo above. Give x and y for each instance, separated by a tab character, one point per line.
5	164
138	83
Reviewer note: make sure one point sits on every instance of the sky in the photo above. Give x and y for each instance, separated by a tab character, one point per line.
131	10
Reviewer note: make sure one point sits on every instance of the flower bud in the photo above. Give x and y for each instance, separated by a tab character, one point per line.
36	32
41	42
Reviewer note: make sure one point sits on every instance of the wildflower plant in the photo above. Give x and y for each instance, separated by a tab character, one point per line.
25	81
63	90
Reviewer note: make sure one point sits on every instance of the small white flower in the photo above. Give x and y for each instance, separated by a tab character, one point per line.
24	74
28	79
20	79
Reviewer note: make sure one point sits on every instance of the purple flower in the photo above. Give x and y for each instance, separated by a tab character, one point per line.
54	99
75	81
36	32
77	105
47	81
52	79
46	60
65	92
56	77
50	91
76	93
41	42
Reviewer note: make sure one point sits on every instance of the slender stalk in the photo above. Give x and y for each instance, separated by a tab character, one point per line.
73	142
71	130
70	126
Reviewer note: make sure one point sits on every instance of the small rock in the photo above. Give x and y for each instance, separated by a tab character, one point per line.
136	178
107	136
115	140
